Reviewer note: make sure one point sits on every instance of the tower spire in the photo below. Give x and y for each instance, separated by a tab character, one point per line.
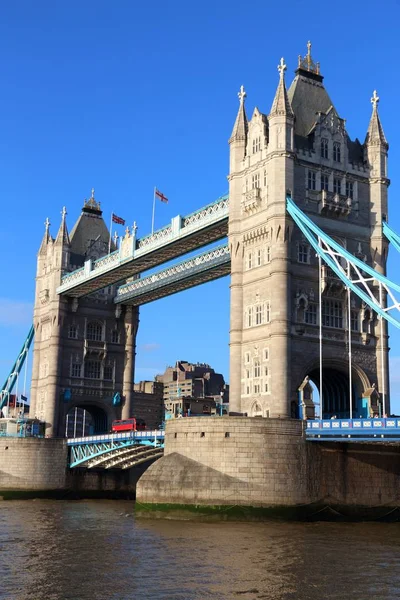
375	135
46	238
62	235
281	104
240	128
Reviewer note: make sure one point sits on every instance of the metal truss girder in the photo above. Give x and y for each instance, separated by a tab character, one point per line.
192	235
207	266
355	274
100	454
16	369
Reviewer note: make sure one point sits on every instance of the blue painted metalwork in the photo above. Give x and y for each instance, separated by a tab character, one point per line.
391	236
316	236
354	430
115	449
16	369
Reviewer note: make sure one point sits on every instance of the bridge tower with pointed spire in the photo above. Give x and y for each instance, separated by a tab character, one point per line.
301	147
84	350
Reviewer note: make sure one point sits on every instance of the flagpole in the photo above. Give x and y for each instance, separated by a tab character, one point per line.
109	241
154	208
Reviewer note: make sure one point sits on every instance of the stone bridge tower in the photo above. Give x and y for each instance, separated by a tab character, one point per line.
302	146
84	350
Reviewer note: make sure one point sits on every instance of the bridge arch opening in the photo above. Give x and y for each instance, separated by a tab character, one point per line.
86	419
335	393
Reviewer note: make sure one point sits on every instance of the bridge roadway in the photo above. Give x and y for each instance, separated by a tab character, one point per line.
354	430
134	256
196	270
116	450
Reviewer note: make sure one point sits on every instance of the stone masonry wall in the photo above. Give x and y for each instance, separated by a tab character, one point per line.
32	464
267	463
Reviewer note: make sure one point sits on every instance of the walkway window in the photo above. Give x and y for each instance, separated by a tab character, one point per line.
311	180
324	182
76	370
310	314
332	314
73	332
92	369
336	151
324	148
303	253
349	189
337	185
94	332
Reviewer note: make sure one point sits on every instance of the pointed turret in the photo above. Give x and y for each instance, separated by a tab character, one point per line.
240	128
62	238
375	135
46	238
281	104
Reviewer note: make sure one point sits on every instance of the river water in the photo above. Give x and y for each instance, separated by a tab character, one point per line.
97	550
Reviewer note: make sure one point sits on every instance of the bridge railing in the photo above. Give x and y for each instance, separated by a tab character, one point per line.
368	429
109	437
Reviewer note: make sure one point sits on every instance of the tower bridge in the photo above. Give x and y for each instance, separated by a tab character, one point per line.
307	249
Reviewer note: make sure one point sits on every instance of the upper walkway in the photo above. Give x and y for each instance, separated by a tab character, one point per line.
182	235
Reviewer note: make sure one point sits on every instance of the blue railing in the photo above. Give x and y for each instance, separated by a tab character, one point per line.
370	430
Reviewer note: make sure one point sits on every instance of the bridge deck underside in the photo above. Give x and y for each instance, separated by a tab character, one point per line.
177	282
153	258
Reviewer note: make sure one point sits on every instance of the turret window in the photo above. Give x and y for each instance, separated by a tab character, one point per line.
324	182
336	151
324	148
311	180
349	189
337	185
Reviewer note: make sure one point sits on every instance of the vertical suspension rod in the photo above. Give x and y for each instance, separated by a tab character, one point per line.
320	335
382	356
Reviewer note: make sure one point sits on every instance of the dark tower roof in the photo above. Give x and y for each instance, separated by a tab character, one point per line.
307	94
89	232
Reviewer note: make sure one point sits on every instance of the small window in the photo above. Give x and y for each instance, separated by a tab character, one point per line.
349	189
248	389
324	182
266	386
256	388
267	312
303	253
256	144
247	357
259	255
337	184
202	434
324	148
73	332
311	180
250	260
227	434
265	371
332	314
115	336
259	311
265	177
267	254
310	314
266	354
76	370
336	151
354	320
257	368
250	316
255	181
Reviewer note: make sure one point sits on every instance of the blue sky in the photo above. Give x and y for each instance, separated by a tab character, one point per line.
124	96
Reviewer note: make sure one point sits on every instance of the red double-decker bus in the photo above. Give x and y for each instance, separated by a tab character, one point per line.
128	425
